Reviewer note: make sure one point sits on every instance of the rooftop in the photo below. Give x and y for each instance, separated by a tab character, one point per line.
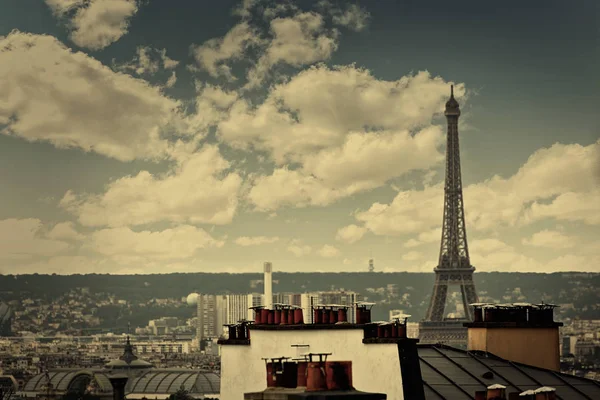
453	374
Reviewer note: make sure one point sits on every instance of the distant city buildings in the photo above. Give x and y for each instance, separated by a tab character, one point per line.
216	310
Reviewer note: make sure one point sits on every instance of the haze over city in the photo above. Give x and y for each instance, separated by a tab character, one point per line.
144	137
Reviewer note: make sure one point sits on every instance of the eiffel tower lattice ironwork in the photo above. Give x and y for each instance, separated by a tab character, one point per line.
454	267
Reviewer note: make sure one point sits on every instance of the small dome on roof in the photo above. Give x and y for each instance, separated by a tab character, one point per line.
128	360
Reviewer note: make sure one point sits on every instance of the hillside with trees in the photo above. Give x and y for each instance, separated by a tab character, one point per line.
577	293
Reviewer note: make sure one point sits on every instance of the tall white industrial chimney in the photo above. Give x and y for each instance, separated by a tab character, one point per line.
268	280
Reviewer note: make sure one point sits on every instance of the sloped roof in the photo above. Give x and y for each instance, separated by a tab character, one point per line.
62	379
157	381
454	374
154	381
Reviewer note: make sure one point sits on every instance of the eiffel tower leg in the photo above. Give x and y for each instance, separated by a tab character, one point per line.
437	303
469	295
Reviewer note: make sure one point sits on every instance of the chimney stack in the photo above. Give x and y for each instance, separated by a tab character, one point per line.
496	392
518	332
268	280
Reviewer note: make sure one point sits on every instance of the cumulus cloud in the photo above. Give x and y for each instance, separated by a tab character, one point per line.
570	206
320	106
73	101
213	55
410	212
60	7
21	239
293	38
212	104
149	61
353	17
255	240
350	234
297	248
95	24
433	235
334	123
328	251
555	182
171	81
299	40
550	239
65	231
199	190
124	245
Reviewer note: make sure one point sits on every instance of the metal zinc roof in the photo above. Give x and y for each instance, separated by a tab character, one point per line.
455	374
170	381
61	380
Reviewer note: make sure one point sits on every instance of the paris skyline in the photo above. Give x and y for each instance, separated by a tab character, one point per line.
139	137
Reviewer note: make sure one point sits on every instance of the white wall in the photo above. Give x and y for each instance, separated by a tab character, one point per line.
375	367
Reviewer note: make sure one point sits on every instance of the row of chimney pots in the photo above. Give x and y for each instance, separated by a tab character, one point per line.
306	373
498	392
532	314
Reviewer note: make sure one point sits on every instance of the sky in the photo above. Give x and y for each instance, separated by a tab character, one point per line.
211	136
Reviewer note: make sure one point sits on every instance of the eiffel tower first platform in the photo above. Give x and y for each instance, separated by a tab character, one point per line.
454	267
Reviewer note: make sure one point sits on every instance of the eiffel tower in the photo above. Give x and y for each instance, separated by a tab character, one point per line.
454	266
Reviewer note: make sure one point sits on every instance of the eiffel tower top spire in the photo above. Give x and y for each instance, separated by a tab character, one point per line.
452	106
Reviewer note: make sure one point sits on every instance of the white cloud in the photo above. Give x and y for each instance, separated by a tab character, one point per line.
350	234
328	251
570	206
199	190
213	55
431	236
290	188
410	212
299	249
60	7
354	18
320	106
561	174
550	239
212	104
124	245
168	63
95	24
255	240
335	123
298	40
23	238
365	161
65	231
171	81
149	61
72	101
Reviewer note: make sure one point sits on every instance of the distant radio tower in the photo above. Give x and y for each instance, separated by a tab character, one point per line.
371	264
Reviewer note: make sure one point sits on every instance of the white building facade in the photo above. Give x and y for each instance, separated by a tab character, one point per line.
376	367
